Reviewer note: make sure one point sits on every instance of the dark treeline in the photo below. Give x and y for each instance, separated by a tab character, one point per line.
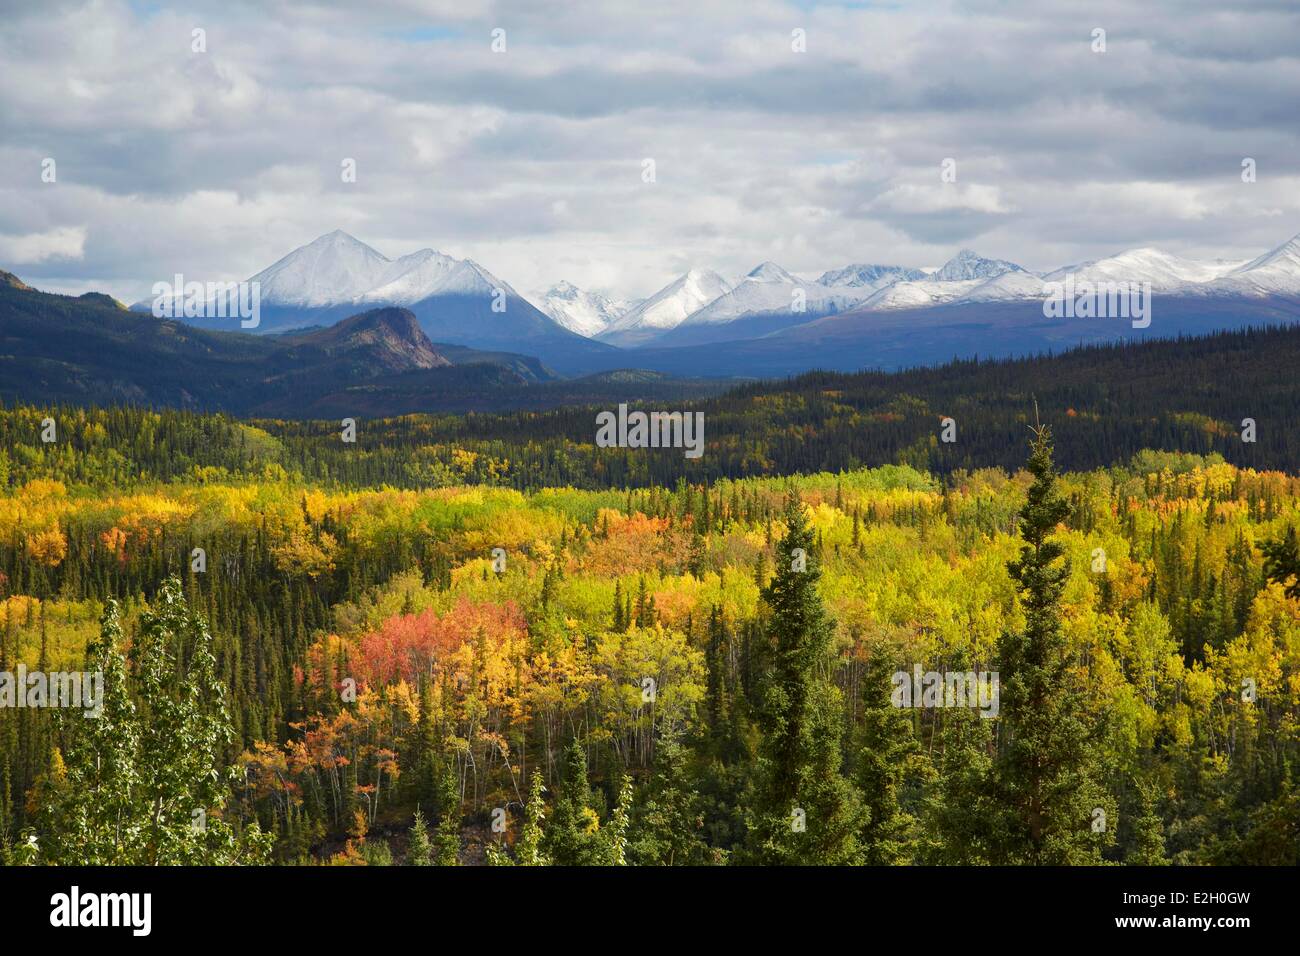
1108	402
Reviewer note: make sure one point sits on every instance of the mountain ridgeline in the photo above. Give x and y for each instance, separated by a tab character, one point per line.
771	321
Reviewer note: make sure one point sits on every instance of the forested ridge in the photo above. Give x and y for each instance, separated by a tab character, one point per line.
1106	403
443	668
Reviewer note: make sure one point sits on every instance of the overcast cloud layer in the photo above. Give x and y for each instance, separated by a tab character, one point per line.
530	161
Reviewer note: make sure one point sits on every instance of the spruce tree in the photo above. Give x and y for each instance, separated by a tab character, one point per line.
1148	834
614	835
572	836
447	840
1046	774
668	830
418	852
888	744
804	811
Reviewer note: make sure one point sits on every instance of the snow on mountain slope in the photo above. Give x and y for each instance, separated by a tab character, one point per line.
1009	285
332	269
1276	272
587	313
768	289
410	278
427	274
868	277
921	293
968	265
1165	272
667	308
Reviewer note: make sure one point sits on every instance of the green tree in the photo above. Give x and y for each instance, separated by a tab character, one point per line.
1148	834
1282	562
418	852
804	811
888	745
529	848
1046	773
145	785
572	838
447	840
614	835
668	829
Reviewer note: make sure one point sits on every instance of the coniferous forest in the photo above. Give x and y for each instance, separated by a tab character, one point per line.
416	650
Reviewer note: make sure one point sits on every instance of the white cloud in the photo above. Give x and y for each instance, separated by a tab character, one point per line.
68	242
529	161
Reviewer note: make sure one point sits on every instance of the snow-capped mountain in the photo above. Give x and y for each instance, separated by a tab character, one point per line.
333	269
769	290
456	301
969	265
869	277
1009	285
967	275
1165	272
1276	272
587	313
922	293
667	308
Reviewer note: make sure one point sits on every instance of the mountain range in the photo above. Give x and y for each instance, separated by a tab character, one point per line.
344	326
576	330
453	300
770	298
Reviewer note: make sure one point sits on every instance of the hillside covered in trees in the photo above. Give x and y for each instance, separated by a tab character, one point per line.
413	650
1106	405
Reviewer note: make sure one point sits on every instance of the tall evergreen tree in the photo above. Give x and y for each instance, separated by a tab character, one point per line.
1046	775
804	811
614	835
888	744
529	848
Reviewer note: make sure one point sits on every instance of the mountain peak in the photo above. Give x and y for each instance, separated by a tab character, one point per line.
102	298
863	275
968	264
770	272
667	308
338	235
389	339
587	313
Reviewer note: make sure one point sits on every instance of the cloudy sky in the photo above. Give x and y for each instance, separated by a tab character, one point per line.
531	160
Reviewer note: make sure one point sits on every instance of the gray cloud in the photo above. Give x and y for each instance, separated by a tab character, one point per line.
529	161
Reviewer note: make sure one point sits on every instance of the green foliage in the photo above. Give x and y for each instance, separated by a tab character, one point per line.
804	812
664	627
447	841
419	852
143	783
573	835
1045	776
529	847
